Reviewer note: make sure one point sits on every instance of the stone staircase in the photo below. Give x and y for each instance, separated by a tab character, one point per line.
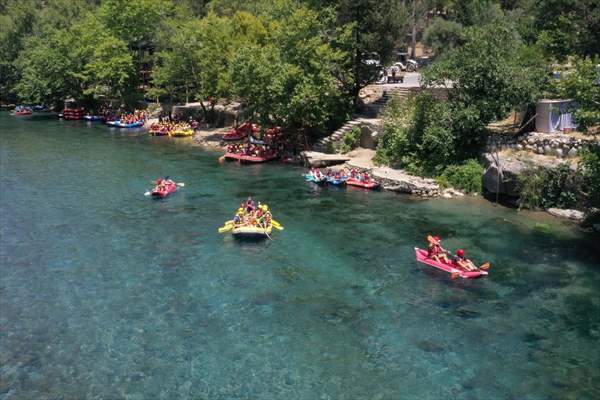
370	115
324	144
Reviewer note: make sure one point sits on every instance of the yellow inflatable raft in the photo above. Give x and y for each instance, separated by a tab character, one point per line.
251	231
181	132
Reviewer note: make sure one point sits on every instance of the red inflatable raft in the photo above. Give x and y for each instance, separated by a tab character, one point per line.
250	159
240	132
363	184
166	189
23	112
73	113
450	268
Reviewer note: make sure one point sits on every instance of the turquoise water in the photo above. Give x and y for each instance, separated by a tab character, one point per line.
107	294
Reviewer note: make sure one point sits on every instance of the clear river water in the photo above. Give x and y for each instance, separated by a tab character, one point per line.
108	294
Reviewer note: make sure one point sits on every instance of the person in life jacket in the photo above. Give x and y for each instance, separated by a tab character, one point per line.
461	261
435	251
250	205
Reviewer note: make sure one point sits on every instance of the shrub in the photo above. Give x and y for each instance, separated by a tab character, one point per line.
417	135
466	177
589	169
544	188
531	182
394	146
351	140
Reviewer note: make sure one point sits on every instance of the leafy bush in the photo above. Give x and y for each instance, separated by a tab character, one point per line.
531	182
466	177
351	140
394	146
589	169
417	135
544	188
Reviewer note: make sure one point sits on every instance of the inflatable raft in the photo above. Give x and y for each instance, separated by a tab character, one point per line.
363	184
181	133
451	269
23	112
312	178
249	159
72	114
164	192
118	124
336	182
251	232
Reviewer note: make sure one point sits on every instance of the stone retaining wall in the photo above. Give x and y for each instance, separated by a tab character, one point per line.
558	145
551	144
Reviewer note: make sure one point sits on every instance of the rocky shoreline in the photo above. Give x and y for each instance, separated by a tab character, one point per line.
395	180
399	181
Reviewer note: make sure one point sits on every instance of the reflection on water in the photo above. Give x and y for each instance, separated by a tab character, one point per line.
105	293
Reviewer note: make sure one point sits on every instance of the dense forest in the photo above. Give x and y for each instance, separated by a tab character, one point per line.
302	60
301	64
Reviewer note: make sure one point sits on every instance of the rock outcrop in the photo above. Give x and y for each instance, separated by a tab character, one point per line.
399	181
501	175
317	159
569	214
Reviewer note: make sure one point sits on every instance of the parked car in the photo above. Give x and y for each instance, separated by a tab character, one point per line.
405	63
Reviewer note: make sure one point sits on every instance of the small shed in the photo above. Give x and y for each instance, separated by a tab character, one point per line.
554	115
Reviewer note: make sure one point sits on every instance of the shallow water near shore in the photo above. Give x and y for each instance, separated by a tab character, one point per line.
105	293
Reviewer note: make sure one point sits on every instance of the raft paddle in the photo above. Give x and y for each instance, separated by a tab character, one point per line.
225	228
276	225
485	265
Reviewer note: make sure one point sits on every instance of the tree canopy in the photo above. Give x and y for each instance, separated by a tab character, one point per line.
314	56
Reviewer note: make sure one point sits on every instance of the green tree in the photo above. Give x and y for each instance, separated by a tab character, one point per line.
16	22
366	29
82	61
49	70
443	35
491	74
289	82
581	84
568	27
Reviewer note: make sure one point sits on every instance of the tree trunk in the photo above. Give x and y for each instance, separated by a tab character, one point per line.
357	61
413	36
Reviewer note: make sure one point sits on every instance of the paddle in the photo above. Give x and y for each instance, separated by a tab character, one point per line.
276	225
225	228
485	265
265	229
222	158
